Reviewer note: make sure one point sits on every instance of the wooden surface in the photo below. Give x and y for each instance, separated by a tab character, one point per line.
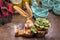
6	31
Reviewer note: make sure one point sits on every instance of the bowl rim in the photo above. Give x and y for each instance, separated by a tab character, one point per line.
47	3
55	6
42	12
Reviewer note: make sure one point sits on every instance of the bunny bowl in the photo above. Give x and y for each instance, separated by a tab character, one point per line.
29	23
40	12
56	9
29	26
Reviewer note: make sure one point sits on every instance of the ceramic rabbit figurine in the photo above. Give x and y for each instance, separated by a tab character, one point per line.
28	15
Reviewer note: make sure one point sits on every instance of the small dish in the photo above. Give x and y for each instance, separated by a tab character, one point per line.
47	4
40	12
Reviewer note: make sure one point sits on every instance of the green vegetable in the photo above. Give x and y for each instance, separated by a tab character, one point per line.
34	30
46	27
41	26
42	23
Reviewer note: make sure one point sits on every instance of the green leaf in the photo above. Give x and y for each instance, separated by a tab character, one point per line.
34	30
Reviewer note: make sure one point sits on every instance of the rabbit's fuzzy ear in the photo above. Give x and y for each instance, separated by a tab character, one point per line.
20	11
28	9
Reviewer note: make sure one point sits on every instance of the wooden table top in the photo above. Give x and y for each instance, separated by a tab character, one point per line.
6	32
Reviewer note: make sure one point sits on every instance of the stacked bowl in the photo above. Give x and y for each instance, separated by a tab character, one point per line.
56	1
56	9
47	4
